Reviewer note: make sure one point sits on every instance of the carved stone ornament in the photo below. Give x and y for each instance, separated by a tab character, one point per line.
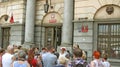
6	17
109	9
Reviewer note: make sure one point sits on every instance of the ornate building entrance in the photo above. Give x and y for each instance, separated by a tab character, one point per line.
53	36
52	22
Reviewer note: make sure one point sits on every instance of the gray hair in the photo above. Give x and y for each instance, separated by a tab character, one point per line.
22	54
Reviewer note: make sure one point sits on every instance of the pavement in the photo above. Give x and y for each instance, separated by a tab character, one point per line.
117	64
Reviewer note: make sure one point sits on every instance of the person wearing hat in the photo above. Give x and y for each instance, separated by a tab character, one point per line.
63	53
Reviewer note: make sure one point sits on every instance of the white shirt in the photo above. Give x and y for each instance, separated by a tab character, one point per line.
62	55
96	63
106	64
7	60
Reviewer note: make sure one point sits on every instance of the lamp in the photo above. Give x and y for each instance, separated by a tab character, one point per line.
46	7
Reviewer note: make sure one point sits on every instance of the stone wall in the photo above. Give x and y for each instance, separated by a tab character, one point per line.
84	39
57	7
39	36
17	8
17	34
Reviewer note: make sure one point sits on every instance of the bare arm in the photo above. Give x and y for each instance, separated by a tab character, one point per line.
92	64
28	65
11	65
13	58
0	64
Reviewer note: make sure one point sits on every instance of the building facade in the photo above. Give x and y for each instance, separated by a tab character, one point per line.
92	24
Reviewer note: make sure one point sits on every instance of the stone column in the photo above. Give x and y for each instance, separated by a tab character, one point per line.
0	37
67	24
30	23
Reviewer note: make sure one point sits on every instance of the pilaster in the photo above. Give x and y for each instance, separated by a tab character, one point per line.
29	24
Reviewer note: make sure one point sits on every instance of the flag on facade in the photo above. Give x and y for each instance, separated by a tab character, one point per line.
12	18
84	28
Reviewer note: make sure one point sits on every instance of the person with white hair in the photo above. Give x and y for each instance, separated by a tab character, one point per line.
21	62
8	58
62	62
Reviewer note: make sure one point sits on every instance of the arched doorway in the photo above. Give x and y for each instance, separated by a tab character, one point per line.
107	31
4	31
52	23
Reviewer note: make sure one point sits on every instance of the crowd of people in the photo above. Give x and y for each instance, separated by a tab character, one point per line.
17	56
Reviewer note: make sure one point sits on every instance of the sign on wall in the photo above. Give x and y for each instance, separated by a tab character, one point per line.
82	28
52	17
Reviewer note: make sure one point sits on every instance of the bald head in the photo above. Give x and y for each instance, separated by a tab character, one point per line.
10	48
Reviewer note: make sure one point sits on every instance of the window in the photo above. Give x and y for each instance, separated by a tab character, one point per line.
109	39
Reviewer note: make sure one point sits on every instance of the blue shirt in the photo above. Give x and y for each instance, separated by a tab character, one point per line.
17	64
49	60
60	65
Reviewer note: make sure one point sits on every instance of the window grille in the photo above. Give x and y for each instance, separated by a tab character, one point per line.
109	40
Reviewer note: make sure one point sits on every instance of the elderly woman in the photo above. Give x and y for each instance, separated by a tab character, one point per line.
21	62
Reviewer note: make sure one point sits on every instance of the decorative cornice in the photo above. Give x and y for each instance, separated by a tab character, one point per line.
95	20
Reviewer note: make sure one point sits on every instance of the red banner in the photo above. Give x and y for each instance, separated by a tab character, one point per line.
12	18
84	28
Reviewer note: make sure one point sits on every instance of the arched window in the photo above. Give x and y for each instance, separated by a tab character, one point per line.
108	30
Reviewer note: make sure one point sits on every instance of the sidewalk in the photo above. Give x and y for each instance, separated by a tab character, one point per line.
115	64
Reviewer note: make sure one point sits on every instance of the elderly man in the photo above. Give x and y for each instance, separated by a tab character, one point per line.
7	58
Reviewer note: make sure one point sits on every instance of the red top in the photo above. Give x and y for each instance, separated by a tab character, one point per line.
34	63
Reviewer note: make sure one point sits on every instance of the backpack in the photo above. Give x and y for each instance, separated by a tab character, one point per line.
80	65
